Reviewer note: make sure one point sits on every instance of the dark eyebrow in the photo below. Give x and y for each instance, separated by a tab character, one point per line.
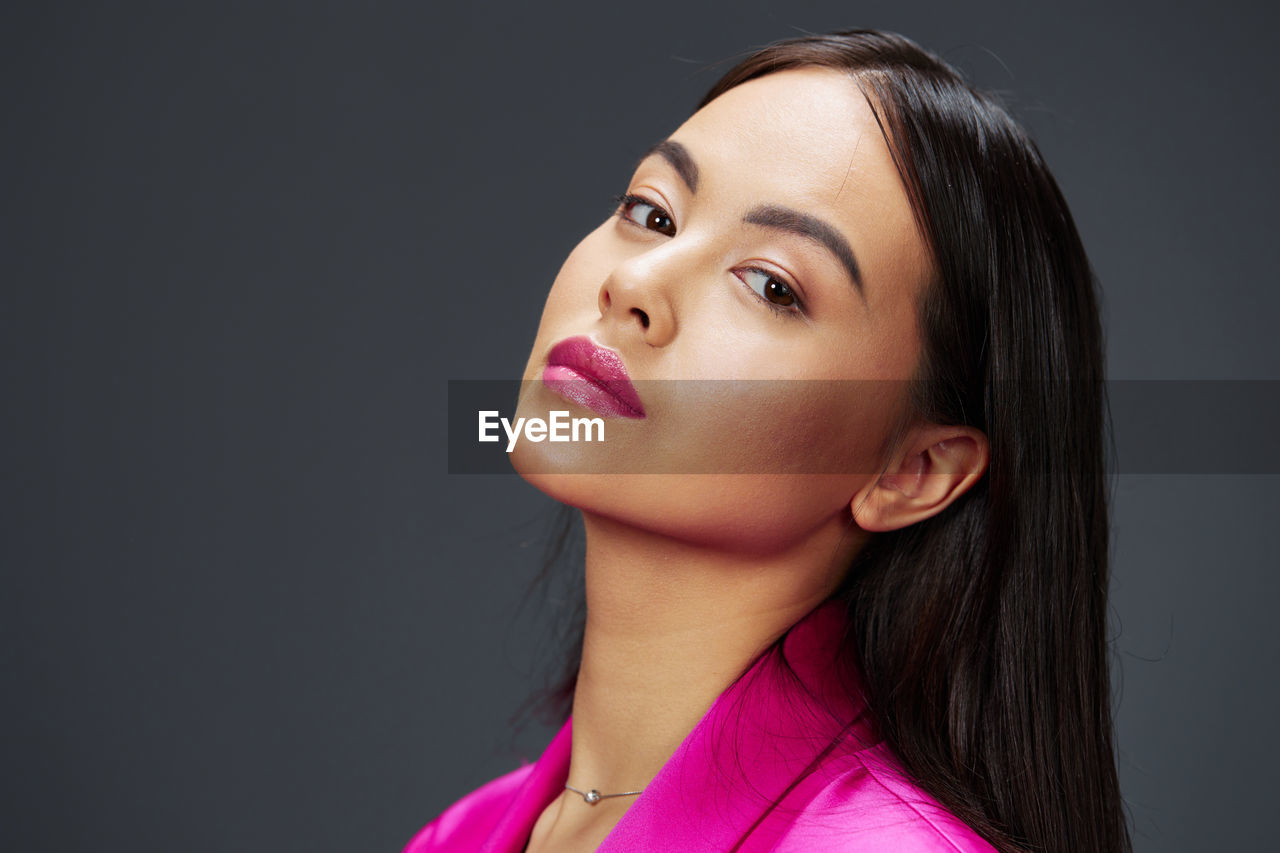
811	228
678	156
769	215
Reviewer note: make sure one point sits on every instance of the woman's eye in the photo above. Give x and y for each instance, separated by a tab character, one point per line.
770	288
648	215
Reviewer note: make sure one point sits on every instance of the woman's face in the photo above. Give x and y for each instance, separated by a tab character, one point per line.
768	241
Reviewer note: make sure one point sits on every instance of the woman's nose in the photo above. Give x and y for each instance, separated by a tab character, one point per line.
639	294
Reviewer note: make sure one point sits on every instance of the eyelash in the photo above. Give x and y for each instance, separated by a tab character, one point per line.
626	201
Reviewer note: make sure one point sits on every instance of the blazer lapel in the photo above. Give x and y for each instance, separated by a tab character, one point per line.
544	784
780	719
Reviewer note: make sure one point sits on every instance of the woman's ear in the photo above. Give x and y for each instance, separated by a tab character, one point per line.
934	466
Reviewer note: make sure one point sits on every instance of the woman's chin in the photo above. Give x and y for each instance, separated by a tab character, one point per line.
551	463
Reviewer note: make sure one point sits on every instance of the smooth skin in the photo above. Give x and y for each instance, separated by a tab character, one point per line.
690	576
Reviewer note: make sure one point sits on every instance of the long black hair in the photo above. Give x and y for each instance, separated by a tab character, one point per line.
981	632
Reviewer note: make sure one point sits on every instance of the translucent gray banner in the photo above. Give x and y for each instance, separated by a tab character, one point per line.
822	427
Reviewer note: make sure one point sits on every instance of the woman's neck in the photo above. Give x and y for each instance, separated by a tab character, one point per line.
669	627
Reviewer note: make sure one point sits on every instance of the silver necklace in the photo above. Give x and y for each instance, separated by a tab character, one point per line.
593	796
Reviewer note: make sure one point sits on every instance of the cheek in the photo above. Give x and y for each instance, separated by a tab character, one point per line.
572	301
577	284
753	466
768	427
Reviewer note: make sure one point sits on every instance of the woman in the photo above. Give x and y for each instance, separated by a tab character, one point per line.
875	618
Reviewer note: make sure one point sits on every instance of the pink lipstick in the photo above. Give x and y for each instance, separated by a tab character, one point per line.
593	377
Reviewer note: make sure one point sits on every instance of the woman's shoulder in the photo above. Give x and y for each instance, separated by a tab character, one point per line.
862	801
467	823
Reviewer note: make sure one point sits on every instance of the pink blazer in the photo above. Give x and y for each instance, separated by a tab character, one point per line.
740	774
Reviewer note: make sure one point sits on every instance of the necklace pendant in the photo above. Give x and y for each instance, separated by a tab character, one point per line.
592	797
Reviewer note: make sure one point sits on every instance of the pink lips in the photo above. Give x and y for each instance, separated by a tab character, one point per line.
593	377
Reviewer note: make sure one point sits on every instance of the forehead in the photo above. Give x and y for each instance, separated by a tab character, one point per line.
807	138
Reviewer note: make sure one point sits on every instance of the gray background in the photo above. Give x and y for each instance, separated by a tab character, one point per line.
244	247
